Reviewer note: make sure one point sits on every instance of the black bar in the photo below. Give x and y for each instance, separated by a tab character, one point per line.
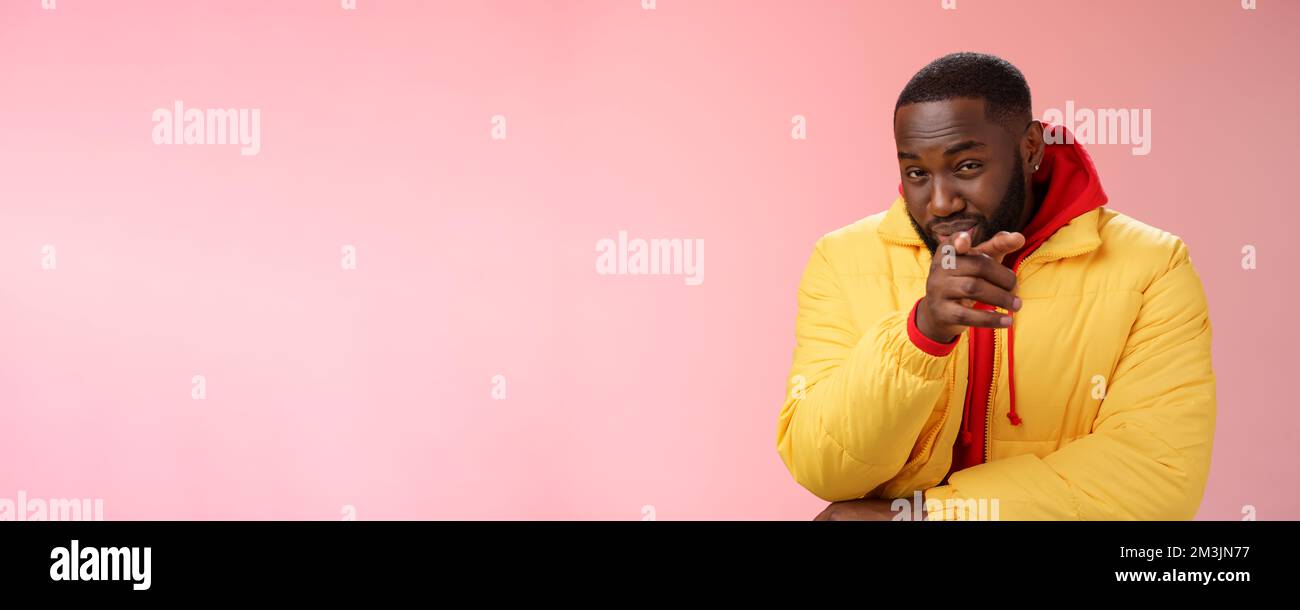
363	556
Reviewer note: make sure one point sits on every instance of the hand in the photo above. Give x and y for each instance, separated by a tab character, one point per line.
873	509
976	274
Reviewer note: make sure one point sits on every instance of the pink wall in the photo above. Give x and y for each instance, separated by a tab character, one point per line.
475	257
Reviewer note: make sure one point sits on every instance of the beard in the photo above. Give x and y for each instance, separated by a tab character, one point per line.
1005	218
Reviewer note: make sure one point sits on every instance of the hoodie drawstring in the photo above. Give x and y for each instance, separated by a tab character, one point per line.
966	436
1011	373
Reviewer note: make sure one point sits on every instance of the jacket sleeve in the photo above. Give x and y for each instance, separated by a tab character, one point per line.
858	397
1148	453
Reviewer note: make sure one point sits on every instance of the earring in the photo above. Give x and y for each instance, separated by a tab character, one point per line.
1035	168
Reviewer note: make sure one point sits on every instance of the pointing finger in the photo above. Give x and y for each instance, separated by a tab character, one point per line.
1001	245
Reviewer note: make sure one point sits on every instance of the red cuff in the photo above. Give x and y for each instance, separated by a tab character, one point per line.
924	343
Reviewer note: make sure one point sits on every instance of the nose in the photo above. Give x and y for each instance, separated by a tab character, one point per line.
944	199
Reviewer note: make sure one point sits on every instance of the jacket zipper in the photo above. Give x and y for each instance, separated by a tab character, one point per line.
993	386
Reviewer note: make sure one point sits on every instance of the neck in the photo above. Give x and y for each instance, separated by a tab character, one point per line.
1033	202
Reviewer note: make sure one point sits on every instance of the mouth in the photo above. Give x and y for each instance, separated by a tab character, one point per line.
945	233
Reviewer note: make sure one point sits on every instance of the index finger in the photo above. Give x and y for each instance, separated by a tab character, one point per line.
1000	245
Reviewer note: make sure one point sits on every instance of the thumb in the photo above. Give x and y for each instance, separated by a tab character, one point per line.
961	243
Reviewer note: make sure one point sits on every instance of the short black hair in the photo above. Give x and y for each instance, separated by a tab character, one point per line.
975	76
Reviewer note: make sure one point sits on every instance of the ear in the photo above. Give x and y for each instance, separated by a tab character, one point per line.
1032	146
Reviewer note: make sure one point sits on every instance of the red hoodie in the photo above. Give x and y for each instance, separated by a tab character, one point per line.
1072	188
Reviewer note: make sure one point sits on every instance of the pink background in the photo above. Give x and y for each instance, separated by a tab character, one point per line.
372	387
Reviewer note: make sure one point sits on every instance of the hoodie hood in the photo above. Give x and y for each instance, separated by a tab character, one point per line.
1072	188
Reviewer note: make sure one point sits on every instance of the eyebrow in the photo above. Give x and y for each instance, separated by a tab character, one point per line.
952	150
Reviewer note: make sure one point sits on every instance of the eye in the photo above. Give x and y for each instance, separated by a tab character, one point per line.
915	174
969	166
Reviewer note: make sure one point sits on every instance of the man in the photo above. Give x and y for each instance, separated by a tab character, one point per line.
998	338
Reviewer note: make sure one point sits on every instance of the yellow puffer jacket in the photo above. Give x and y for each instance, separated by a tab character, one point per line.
1113	378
